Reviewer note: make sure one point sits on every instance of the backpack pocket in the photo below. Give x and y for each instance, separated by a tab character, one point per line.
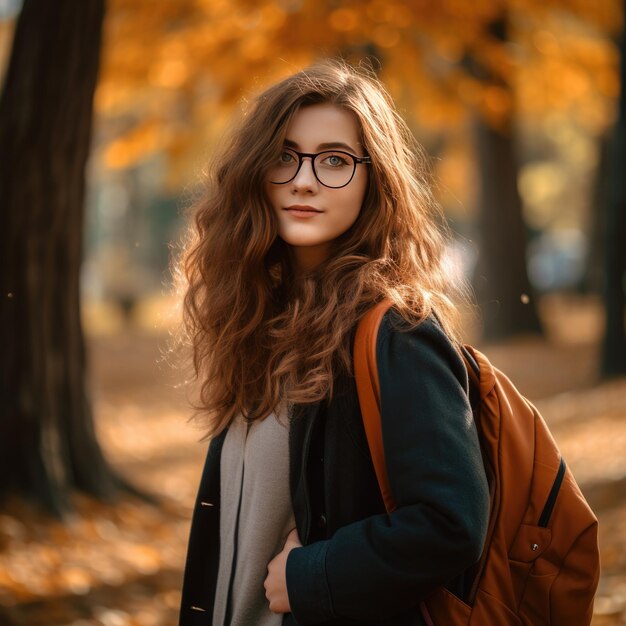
535	607
529	544
532	575
490	610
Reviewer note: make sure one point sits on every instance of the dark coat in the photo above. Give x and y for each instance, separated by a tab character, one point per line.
359	565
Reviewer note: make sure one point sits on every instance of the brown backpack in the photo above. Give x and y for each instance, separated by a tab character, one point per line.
540	563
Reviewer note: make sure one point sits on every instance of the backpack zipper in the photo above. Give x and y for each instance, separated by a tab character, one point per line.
554	492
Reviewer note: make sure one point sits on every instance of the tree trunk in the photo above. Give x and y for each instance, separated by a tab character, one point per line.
592	281
47	440
501	279
614	344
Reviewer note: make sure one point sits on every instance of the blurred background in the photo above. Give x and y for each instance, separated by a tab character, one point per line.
110	112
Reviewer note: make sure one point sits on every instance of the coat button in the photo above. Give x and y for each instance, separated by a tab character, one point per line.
321	522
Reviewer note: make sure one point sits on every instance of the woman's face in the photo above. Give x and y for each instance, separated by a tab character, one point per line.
325	213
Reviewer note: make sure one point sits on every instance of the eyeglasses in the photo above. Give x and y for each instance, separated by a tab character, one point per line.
332	168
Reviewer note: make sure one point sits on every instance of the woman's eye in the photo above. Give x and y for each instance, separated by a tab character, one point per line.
285	158
335	160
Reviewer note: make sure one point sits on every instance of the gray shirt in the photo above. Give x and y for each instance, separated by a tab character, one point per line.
255	518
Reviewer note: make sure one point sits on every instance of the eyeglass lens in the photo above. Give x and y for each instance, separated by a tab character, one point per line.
333	169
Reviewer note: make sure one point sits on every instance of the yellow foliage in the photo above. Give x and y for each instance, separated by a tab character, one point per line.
385	36
183	62
144	139
343	19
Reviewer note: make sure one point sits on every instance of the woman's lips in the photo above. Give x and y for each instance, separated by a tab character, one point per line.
302	211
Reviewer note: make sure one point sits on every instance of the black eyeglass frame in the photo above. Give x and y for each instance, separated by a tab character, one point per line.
313	156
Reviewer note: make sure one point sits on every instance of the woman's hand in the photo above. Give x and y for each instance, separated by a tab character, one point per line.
276	581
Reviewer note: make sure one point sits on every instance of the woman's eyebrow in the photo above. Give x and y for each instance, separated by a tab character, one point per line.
324	146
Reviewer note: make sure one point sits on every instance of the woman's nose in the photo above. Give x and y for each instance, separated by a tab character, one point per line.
305	178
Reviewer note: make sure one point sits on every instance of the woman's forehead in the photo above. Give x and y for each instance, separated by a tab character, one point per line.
323	126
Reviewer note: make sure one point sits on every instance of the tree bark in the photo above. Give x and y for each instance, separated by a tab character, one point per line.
48	445
592	281
501	279
613	360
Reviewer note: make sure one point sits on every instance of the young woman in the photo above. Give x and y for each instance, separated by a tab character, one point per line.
320	207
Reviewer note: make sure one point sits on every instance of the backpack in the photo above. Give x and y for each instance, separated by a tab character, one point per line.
540	562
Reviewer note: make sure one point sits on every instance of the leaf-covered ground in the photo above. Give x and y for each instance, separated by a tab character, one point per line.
120	565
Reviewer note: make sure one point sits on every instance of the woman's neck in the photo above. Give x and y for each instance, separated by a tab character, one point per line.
307	258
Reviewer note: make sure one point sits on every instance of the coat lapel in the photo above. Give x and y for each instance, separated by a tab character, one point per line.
301	429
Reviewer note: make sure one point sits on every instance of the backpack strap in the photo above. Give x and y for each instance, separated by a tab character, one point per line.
368	390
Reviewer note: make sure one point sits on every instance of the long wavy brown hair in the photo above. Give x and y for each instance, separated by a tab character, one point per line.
263	337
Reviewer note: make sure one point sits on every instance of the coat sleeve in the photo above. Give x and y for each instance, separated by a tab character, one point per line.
386	564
